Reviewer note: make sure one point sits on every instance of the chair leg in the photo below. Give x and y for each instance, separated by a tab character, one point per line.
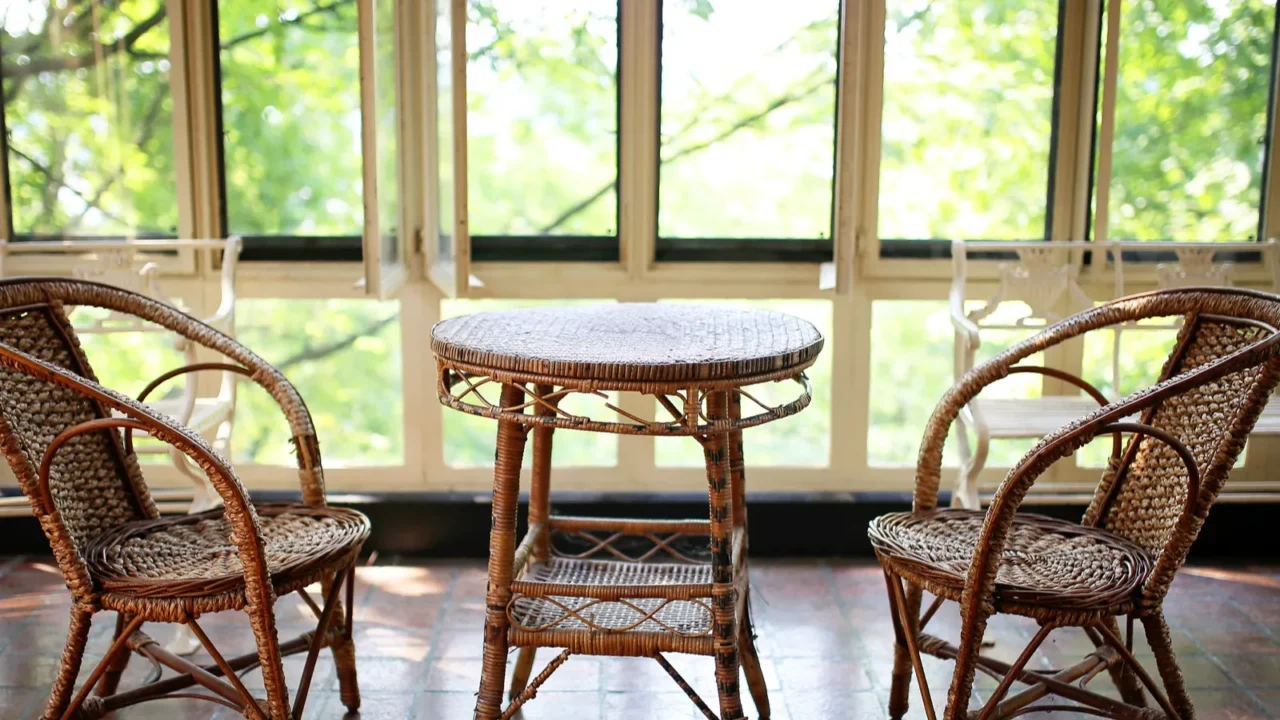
110	681
344	649
1162	645
751	663
900	688
65	682
524	667
1122	675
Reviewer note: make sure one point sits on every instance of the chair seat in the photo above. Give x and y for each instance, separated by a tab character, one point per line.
194	556
1047	563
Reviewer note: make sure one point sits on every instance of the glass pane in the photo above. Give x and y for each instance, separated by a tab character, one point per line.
387	129
802	440
444	128
968	119
542	103
912	343
1191	119
290	117
470	440
344	358
89	118
748	119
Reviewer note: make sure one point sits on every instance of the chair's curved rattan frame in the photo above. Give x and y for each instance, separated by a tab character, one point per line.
977	600
256	593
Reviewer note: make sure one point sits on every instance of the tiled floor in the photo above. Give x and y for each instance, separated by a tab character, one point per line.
824	635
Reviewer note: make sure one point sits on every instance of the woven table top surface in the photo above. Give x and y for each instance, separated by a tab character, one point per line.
630	341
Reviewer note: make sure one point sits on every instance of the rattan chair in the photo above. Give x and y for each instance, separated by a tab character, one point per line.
1119	561
85	485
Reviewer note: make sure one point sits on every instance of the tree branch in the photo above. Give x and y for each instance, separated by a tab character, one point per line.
72	62
310	353
254	34
739	124
49	174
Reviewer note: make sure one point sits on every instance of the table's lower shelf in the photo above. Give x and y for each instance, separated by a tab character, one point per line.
688	618
618	587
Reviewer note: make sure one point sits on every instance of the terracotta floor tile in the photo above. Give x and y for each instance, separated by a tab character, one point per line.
445	705
1257	671
825	639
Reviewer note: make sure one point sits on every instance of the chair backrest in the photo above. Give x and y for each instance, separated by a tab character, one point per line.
95	486
1145	498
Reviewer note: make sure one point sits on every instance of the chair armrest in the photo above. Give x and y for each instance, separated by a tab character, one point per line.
929	461
239	511
965	327
980	582
185	369
224	315
303	435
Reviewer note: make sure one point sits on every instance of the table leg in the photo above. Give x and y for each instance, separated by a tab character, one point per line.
502	544
716	450
539	510
746	633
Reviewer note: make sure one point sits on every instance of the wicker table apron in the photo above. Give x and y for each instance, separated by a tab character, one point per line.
621	587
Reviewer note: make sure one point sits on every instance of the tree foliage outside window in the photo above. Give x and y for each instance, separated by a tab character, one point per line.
89	117
968	119
290	93
1192	92
542	101
747	121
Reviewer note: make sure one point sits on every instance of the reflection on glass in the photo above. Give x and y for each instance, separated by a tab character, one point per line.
344	358
801	440
968	118
290	74
542	116
469	440
1192	93
748	119
89	117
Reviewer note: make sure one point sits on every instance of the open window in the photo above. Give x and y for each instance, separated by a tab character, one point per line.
445	238
381	100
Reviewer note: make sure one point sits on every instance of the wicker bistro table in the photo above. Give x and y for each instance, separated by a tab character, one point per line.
621	587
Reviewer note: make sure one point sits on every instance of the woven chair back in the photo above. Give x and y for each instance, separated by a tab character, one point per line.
1145	498
94	486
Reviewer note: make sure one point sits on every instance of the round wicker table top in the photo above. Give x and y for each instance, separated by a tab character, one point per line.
630	341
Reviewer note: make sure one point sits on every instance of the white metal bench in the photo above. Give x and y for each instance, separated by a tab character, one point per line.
1047	279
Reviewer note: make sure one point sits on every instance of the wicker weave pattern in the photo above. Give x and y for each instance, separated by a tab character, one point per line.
623	587
59	435
1195	422
1153	488
194	555
1045	560
629	341
89	483
688	618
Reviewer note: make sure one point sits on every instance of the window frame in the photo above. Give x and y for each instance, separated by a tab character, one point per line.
642	271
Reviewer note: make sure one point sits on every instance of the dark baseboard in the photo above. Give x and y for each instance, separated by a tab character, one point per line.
782	525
